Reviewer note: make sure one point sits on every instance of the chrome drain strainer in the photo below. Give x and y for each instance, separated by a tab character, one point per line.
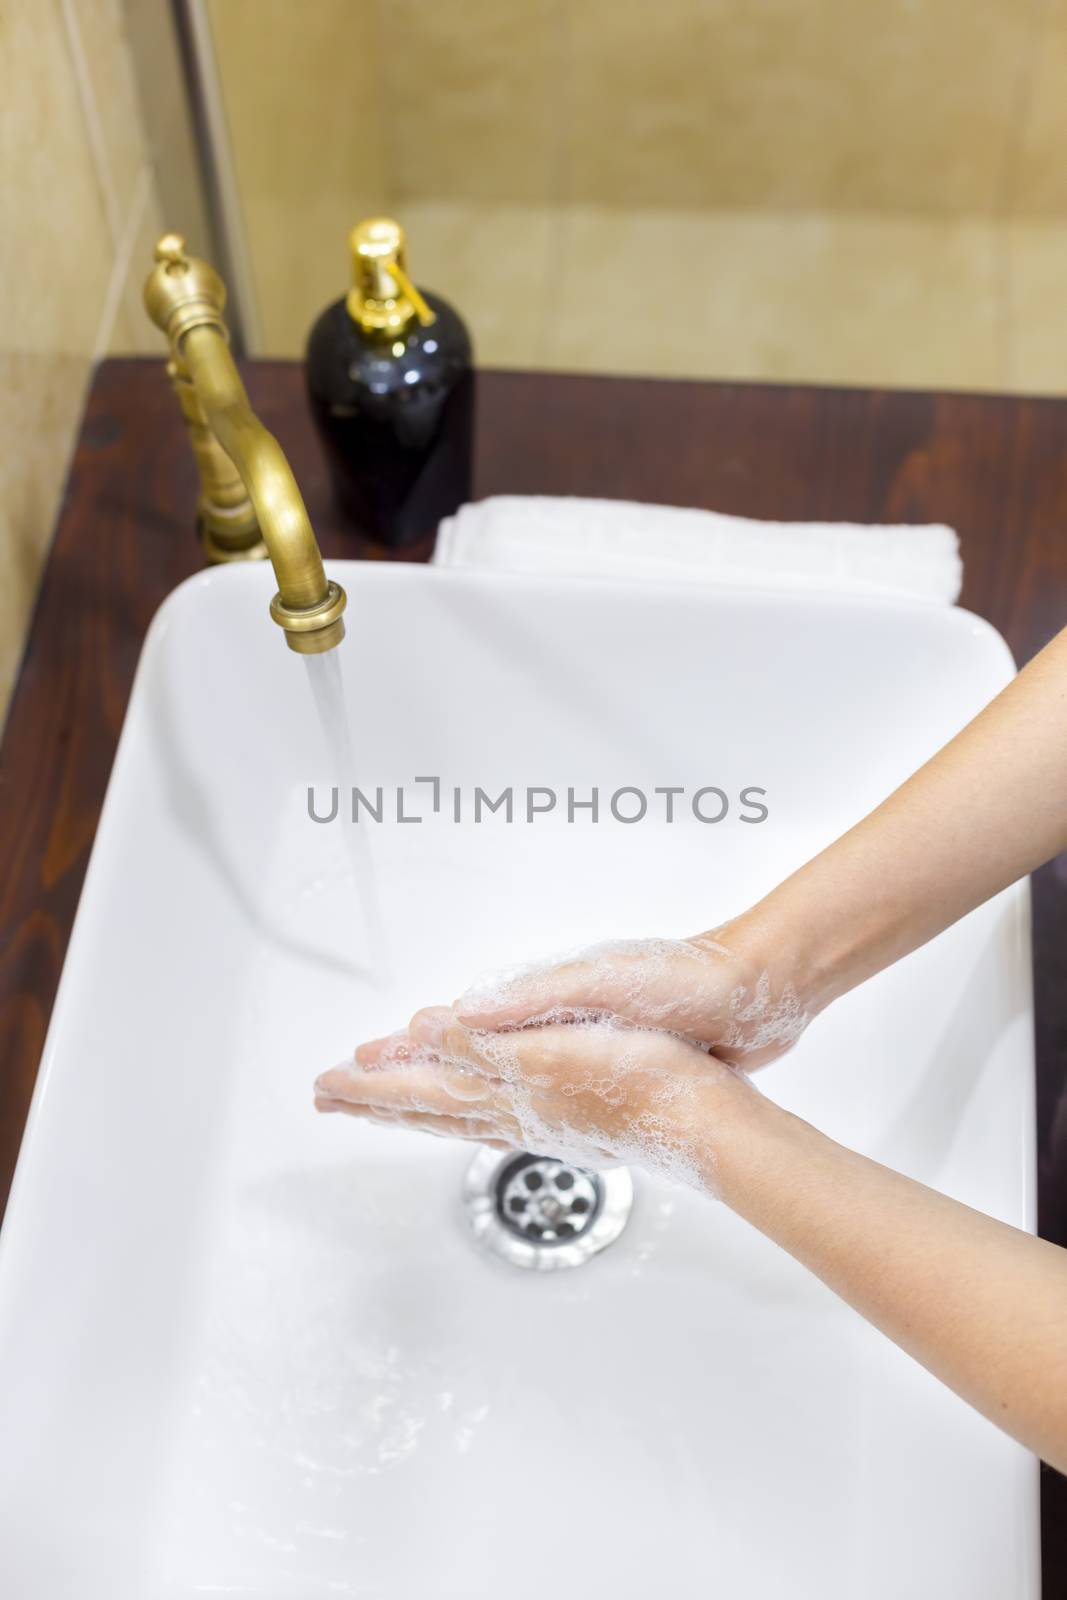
542	1213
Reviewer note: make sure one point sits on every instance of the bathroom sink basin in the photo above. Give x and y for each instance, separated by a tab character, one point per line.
248	1350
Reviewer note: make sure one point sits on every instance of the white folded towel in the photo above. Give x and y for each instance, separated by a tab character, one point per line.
617	538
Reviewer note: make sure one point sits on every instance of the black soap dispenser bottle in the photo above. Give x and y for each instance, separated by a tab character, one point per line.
391	388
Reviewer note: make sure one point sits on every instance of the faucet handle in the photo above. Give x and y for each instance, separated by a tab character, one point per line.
170	249
182	292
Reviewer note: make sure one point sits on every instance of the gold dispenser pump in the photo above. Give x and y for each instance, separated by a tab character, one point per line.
383	298
249	504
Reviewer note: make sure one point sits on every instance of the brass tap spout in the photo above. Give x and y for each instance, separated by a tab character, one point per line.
256	509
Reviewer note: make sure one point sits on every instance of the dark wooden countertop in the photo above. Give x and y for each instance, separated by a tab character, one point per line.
994	468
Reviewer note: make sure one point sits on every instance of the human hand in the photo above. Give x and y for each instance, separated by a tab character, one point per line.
585	1093
718	989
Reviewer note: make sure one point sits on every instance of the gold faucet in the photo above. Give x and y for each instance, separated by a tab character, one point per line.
249	504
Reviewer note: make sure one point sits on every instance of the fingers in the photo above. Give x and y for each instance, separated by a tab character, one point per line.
524	995
471	1085
430	1088
652	983
493	1072
402	1074
393	1048
495	1132
426	1030
467	1060
589	1093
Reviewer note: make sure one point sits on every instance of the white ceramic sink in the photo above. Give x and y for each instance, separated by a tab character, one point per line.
247	1350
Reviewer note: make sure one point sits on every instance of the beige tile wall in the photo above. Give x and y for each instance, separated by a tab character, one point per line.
825	191
299	86
775	105
79	206
1038	178
474	94
907	105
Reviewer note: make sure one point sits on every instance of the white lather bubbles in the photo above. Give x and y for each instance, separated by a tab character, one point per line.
693	987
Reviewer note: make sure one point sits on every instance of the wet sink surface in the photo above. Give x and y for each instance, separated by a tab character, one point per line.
245	1350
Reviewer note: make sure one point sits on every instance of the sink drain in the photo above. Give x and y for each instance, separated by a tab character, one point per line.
541	1213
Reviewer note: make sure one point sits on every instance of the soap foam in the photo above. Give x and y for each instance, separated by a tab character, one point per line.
686	987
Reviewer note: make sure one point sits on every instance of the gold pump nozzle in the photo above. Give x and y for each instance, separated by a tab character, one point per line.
383	298
249	505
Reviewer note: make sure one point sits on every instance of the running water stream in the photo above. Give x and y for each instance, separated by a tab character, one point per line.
328	692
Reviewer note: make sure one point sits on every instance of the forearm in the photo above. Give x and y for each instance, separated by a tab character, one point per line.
987	809
982	1305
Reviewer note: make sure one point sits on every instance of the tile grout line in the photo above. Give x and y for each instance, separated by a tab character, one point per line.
91	114
1003	254
1000	252
557	231
223	173
120	268
378	51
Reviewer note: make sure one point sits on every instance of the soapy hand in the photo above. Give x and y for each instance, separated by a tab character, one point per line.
711	989
587	1094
